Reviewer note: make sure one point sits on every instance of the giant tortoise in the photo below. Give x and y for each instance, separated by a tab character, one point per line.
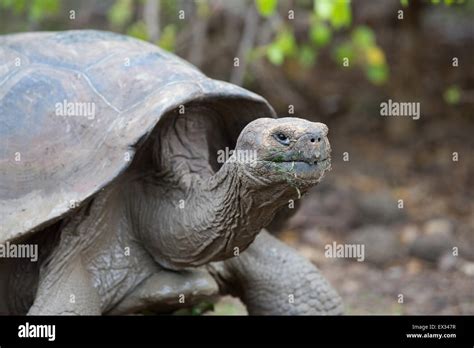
113	162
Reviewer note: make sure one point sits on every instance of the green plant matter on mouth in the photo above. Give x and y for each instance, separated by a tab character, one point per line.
278	159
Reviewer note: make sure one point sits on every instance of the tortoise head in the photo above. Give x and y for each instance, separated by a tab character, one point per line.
285	150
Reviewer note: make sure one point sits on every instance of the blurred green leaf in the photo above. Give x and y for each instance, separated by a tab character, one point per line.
203	9
363	37
341	15
284	45
275	54
363	52
337	12
36	9
377	74
18	6
375	56
404	3
138	30
266	7
120	13
320	34
452	95
41	8
323	8
344	50
286	41
307	56
35	12
168	38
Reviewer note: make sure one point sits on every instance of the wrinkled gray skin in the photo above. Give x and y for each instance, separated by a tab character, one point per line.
161	230
136	247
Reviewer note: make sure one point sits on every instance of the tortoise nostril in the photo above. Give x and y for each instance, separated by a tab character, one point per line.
312	140
319	139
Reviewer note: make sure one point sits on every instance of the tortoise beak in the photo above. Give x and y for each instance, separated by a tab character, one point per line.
311	148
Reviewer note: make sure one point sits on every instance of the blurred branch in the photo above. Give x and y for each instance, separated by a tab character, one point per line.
199	27
269	28
246	44
467	97
273	82
151	15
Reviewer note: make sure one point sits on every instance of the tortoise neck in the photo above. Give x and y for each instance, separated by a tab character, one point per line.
241	205
209	220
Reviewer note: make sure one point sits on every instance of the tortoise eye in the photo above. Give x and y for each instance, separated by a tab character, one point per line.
282	138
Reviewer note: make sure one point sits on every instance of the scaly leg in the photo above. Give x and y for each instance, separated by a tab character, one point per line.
65	286
166	291
273	279
72	294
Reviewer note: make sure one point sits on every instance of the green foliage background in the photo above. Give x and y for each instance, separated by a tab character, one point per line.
356	47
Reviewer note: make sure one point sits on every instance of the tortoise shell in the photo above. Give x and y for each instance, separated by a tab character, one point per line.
75	107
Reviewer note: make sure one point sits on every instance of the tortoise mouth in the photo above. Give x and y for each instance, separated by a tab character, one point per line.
303	161
300	168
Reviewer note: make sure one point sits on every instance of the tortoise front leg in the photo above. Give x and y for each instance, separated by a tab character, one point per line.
71	294
65	285
273	279
166	291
